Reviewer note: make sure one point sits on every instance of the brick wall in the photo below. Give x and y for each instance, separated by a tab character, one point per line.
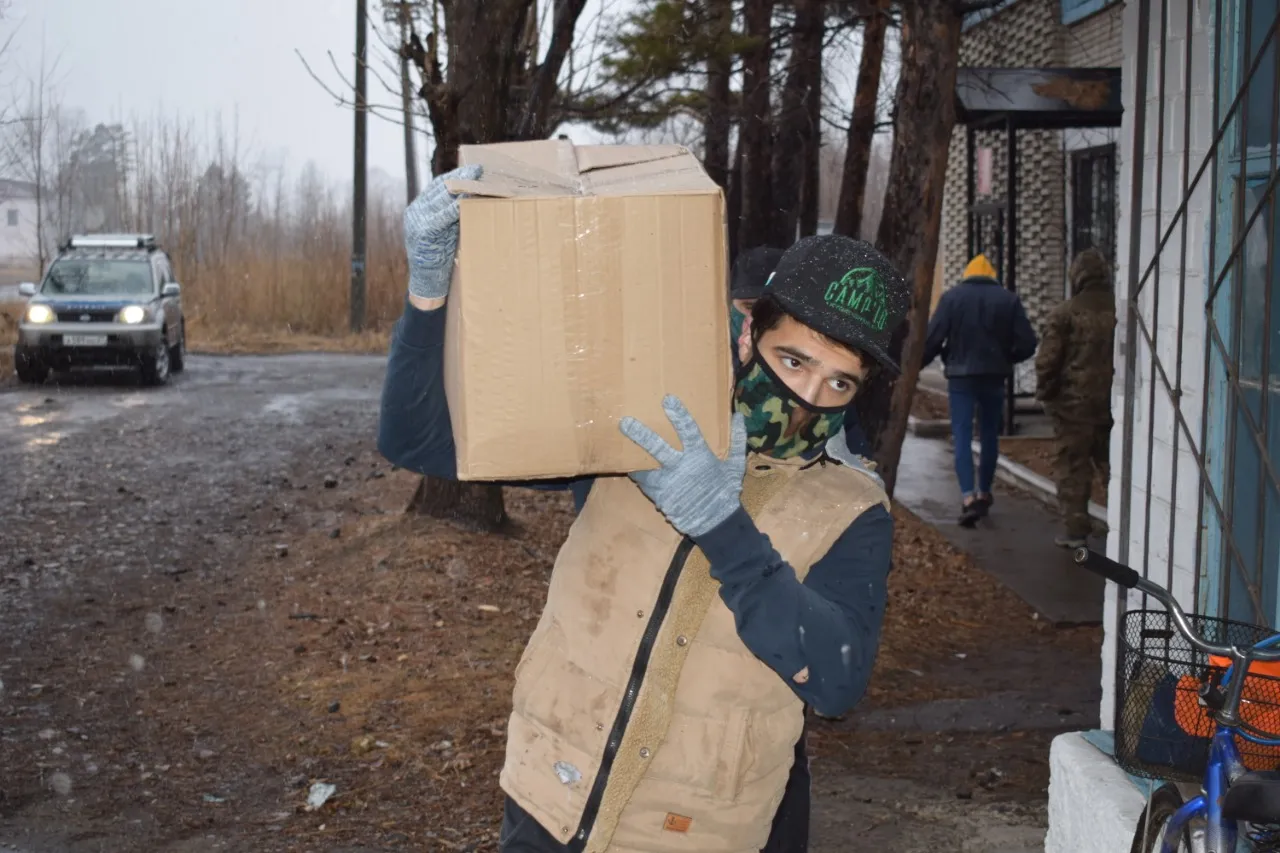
1026	34
1096	42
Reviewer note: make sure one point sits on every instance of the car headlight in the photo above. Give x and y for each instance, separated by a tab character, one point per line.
40	314
133	314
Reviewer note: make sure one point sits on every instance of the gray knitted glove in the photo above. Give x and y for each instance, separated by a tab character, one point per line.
431	235
694	488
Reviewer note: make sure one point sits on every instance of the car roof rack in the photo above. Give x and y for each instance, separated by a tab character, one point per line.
111	241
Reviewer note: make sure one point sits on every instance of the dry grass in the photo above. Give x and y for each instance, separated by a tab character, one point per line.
9	314
266	295
244	340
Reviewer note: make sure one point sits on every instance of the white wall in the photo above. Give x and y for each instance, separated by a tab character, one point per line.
1171	504
1093	806
18	243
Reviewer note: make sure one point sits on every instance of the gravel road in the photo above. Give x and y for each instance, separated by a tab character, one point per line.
135	519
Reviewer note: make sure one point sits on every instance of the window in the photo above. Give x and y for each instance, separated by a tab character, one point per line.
1243	419
1093	201
1078	10
13	218
96	277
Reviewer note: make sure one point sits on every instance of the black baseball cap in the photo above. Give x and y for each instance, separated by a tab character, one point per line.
751	271
845	289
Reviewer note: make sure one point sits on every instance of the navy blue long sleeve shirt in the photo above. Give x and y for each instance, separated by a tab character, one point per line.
827	626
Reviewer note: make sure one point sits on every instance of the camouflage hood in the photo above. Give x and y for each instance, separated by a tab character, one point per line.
1090	271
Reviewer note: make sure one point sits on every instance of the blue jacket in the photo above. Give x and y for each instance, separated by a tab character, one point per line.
979	329
840	604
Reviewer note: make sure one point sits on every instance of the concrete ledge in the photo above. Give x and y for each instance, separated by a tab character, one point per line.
1093	804
928	428
1042	487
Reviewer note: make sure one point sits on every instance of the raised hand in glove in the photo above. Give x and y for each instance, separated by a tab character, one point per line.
431	235
694	489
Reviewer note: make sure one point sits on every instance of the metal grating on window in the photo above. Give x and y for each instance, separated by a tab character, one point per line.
1199	311
1093	200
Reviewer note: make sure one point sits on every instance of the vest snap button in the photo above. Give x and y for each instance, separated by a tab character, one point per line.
639	614
644	752
565	830
682	640
599	727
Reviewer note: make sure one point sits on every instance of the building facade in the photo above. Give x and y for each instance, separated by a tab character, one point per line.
18	232
1066	178
1194	499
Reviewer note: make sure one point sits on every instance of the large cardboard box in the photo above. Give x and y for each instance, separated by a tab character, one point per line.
590	281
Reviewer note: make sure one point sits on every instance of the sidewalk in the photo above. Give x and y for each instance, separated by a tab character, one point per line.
1014	544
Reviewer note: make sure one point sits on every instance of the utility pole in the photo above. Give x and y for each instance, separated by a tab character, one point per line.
403	10
358	201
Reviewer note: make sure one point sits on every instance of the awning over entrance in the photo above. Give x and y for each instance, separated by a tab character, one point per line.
1039	98
1014	99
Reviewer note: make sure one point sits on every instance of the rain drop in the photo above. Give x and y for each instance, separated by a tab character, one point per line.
154	623
138	662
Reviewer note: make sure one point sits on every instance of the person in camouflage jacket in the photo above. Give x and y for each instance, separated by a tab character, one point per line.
1073	379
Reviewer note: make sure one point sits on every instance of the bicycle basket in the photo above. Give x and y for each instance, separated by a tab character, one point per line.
1162	730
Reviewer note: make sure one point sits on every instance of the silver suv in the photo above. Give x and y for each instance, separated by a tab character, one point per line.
107	300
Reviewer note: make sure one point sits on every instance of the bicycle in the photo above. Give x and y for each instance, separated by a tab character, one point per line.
1218	741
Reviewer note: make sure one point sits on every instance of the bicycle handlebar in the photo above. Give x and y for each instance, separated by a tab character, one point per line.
1129	579
1108	568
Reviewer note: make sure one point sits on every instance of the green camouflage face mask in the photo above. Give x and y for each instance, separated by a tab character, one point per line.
779	423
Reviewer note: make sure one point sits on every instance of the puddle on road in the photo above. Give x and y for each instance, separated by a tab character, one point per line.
290	407
47	440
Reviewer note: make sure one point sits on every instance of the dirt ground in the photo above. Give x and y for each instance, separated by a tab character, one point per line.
213	601
930	406
1037	454
233	340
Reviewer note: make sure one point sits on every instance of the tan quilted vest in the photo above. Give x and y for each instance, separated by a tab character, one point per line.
709	746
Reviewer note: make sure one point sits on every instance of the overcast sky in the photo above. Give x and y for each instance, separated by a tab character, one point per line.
236	60
122	58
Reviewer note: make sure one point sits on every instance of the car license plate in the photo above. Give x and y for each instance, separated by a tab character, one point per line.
85	340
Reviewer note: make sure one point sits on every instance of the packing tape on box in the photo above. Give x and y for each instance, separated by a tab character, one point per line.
592	323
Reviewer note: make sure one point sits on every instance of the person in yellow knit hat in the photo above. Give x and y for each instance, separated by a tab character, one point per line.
981	331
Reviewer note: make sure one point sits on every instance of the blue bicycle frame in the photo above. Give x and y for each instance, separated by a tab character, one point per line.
1224	765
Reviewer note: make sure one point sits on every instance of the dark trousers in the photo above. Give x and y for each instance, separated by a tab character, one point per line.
985	396
1083	448
789	834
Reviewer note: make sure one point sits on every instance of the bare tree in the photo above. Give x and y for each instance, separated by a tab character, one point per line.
862	125
402	12
754	141
719	110
27	144
911	220
480	82
489	88
796	131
